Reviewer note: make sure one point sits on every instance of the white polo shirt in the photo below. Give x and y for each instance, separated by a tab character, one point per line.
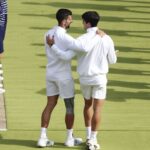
94	65
59	68
56	67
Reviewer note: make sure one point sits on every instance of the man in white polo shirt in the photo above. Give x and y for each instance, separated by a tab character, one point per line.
93	62
59	81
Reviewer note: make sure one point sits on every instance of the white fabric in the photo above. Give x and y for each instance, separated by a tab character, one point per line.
66	56
93	66
58	72
64	88
99	79
43	132
94	91
88	132
56	67
94	56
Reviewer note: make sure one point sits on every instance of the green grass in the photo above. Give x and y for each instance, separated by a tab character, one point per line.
125	122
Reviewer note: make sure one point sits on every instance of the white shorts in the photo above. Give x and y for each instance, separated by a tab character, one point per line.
63	88
94	91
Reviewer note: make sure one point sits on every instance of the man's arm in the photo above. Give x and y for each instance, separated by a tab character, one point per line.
50	41
84	44
112	54
80	44
64	55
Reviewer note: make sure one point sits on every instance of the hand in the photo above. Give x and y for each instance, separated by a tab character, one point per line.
50	41
100	32
117	51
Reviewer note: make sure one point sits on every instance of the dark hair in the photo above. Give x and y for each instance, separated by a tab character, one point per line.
62	14
91	17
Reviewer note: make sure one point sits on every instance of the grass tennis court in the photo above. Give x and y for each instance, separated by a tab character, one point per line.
126	113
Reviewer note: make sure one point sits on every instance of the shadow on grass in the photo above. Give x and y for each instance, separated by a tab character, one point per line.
38	44
50	16
32	144
43	91
99	6
126	84
129	72
128	33
26	143
118	96
125	20
128	1
103	18
79	5
41	55
112	32
132	49
122	96
39	28
133	60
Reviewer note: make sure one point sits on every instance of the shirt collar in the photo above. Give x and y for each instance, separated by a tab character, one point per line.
92	29
60	28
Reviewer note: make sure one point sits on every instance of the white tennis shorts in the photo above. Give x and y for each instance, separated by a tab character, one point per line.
63	88
94	91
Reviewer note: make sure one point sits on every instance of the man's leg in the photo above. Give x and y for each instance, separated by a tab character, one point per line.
97	107
45	118
88	113
51	103
69	117
95	122
69	120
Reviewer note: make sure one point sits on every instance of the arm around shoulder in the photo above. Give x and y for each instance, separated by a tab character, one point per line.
64	55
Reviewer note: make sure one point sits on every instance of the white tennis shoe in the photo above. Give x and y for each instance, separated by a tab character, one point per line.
45	142
73	142
92	145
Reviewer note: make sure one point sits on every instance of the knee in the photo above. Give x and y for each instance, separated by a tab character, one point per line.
70	111
69	103
51	104
88	105
54	104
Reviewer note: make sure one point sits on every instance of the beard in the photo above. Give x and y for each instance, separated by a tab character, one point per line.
68	27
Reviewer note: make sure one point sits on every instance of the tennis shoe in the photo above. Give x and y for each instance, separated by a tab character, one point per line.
73	142
45	142
92	145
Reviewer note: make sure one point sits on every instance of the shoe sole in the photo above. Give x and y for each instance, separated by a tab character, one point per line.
39	146
47	145
92	147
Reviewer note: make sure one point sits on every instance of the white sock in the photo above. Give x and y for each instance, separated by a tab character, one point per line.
93	135
43	132
69	133
88	132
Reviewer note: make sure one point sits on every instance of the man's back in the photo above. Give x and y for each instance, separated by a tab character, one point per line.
56	67
96	60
